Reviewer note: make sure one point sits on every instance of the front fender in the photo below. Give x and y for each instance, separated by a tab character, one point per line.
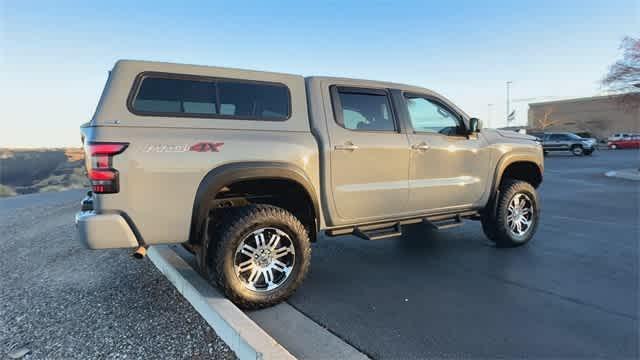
501	165
513	157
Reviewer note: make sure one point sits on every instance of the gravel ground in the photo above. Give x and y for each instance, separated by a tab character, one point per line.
59	300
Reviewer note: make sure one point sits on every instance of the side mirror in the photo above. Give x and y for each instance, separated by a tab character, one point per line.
475	125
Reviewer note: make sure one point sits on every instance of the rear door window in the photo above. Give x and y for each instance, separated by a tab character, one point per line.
190	96
363	109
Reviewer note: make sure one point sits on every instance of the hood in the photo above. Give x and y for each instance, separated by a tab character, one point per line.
515	135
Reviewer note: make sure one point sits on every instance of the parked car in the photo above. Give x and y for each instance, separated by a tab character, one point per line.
566	141
632	142
537	134
621	136
246	167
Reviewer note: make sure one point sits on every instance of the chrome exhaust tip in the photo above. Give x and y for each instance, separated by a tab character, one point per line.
140	252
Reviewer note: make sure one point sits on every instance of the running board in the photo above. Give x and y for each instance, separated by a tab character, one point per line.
383	230
446	223
379	233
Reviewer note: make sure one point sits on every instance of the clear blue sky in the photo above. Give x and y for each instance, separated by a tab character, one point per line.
56	54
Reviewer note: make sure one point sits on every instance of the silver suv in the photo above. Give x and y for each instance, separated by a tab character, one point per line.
566	141
246	168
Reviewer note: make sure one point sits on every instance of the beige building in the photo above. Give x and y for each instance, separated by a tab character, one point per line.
601	116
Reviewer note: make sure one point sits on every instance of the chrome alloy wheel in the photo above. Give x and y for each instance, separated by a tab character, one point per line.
264	259
520	214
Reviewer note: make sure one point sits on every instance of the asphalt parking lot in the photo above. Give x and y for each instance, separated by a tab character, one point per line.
571	293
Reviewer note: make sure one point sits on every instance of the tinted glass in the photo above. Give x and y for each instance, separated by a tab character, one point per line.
176	96
429	116
265	101
238	99
366	112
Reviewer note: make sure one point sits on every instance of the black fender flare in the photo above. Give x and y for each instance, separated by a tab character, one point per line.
226	174
501	165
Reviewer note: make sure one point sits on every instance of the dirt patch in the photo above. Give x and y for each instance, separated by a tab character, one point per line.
27	171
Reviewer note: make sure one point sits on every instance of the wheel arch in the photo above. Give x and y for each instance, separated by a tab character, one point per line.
216	179
526	167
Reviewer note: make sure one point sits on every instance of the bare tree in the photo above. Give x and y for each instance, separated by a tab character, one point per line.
624	74
546	120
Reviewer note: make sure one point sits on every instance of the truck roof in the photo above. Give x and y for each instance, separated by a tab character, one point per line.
183	68
204	70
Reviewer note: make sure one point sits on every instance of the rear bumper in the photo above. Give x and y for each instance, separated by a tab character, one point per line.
104	231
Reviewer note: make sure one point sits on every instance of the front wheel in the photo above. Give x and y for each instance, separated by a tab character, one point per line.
262	255
517	215
577	150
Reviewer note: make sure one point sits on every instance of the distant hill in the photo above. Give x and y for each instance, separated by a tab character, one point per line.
26	171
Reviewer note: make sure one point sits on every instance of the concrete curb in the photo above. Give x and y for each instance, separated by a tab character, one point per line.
302	336
242	335
628	174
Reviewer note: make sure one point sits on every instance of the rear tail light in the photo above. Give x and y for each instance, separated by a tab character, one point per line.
104	178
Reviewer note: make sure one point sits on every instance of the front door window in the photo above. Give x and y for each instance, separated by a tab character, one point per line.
428	116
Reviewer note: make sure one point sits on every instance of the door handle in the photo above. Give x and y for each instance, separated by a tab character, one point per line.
348	146
422	146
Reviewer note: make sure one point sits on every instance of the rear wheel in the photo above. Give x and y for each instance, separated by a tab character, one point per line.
577	150
516	218
262	255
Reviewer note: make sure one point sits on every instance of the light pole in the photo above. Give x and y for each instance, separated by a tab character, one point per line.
508	88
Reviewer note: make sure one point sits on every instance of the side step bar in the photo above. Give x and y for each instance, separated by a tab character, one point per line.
379	234
384	230
444	223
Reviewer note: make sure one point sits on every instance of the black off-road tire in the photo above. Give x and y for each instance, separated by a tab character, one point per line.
495	226
577	150
232	229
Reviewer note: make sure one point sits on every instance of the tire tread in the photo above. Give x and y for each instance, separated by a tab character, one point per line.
234	224
495	226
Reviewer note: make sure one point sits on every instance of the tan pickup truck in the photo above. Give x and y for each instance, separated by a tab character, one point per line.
246	168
